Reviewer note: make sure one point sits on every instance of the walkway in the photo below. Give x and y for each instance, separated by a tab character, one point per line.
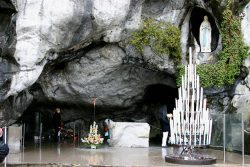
68	155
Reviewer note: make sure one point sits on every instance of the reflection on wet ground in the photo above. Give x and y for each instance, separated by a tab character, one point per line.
109	156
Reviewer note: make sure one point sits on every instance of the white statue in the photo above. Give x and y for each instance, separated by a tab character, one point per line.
205	35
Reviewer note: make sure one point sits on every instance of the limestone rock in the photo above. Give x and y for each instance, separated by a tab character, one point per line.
129	134
68	51
45	25
100	73
241	99
245	26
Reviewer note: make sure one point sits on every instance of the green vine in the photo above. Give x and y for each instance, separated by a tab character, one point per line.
163	38
230	59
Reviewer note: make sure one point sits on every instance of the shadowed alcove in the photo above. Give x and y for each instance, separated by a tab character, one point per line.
161	94
197	16
155	96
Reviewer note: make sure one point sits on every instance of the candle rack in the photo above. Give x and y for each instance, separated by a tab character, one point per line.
191	123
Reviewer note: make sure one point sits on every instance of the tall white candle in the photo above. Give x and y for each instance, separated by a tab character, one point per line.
183	94
204	104
198	88
210	130
201	99
185	82
188	75
172	132
190	55
200	130
190	134
195	77
195	125
180	94
176	103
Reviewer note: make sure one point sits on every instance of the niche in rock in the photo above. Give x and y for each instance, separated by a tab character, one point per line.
197	17
6	12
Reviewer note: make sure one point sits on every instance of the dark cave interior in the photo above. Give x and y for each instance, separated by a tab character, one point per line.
154	96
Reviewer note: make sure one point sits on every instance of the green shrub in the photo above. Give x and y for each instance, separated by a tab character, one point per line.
163	38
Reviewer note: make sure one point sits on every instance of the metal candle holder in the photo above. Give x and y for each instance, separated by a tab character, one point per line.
191	124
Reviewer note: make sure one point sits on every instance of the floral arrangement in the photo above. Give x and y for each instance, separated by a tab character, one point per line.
93	138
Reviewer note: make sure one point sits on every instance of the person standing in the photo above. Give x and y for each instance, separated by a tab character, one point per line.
164	124
4	149
106	130
57	123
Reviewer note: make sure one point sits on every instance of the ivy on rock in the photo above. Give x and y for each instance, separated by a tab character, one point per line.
162	37
230	59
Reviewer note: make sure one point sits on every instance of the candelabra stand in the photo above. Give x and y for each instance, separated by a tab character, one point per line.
191	123
190	156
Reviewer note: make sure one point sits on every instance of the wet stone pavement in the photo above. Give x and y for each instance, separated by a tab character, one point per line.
64	155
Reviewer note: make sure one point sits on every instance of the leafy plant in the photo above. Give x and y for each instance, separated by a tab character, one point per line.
163	38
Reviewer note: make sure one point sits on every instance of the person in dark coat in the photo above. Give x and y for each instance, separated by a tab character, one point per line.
164	124
4	149
57	123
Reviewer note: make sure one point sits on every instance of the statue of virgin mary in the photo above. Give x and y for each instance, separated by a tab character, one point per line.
205	35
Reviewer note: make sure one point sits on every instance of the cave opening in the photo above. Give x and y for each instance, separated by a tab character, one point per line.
155	96
161	94
197	16
37	120
40	113
34	119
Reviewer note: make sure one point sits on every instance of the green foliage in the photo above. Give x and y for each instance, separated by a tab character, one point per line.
162	37
180	72
230	59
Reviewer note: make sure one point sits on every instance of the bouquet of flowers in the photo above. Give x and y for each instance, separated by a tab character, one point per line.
93	138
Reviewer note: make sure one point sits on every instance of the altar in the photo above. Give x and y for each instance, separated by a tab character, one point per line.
128	134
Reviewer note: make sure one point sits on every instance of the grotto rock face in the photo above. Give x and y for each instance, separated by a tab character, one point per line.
7	41
245	23
68	51
100	73
45	25
241	98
